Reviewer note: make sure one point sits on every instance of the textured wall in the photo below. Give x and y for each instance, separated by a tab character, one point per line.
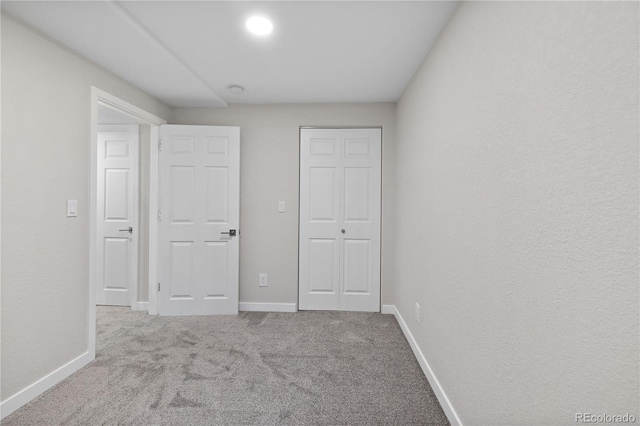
518	210
46	103
269	158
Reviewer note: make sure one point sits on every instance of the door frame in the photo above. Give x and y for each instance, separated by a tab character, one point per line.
100	97
300	128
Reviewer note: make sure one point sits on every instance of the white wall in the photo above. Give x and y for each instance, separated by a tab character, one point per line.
269	158
143	220
517	210
46	103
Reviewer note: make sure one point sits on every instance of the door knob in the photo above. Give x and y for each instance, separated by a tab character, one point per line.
231	233
129	230
343	231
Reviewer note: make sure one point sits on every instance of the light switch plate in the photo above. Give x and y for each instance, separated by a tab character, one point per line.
72	208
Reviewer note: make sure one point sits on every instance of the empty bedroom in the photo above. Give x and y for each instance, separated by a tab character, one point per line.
320	212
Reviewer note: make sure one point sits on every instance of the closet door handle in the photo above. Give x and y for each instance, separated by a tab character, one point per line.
231	233
129	230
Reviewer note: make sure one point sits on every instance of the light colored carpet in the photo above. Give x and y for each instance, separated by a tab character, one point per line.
325	368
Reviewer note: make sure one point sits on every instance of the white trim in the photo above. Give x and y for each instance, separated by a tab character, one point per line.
140	306
154	207
93	223
388	309
268	307
132	128
27	394
444	401
124	106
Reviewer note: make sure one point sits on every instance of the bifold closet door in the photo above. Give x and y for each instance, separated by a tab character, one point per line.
340	203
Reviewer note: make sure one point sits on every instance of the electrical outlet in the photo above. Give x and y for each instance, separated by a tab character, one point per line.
416	313
263	280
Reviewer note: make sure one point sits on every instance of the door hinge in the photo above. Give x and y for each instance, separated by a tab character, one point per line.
159	145
158	287
159	216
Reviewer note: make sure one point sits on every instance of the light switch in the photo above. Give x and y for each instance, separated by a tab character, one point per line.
280	206
72	208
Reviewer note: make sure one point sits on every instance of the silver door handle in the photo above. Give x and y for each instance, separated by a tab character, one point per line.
130	230
231	233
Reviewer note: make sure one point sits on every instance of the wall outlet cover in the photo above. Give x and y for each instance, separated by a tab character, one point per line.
263	280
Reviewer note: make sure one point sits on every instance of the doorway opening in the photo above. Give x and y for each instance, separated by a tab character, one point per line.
122	253
123	195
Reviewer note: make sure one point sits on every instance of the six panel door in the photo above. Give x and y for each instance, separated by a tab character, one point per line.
340	202
200	206
117	214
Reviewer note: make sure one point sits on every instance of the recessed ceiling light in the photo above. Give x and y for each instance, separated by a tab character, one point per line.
259	25
236	90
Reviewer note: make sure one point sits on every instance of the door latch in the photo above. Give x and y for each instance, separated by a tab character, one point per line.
231	233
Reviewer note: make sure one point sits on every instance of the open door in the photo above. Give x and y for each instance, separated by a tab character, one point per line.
199	217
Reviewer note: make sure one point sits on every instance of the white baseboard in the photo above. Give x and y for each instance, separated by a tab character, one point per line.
389	309
268	307
19	399
447	407
140	306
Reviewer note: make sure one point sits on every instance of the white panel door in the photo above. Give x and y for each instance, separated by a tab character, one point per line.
340	200
198	242
117	215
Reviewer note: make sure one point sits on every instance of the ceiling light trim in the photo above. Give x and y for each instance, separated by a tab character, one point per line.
168	52
259	25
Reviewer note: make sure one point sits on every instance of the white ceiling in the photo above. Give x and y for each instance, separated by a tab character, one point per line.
187	53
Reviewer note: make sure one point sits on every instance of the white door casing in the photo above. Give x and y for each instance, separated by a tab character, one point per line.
117	212
200	203
340	205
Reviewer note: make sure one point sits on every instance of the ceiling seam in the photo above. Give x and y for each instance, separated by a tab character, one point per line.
134	22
